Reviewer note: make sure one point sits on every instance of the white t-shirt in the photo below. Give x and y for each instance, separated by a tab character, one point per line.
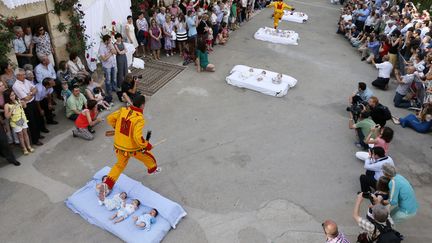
22	89
347	17
384	69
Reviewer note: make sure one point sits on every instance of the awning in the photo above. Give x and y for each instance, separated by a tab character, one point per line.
16	3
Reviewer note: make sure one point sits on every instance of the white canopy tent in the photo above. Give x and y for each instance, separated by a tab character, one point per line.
99	13
16	3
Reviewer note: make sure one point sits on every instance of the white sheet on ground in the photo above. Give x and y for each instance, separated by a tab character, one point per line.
242	77
297	17
85	203
286	37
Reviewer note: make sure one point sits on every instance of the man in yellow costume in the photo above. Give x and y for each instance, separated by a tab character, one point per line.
279	7
128	123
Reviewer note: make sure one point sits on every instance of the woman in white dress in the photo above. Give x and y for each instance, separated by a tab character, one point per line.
130	32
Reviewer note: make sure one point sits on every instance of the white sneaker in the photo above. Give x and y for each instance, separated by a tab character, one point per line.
167	55
157	171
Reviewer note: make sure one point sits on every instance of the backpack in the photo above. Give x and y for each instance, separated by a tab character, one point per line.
386	112
387	234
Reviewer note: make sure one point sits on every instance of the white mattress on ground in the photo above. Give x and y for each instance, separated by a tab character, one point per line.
297	17
286	37
242	77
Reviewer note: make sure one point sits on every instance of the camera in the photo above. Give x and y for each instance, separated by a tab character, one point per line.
356	108
366	195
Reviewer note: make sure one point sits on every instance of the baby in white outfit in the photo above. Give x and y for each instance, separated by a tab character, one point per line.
145	220
115	202
125	211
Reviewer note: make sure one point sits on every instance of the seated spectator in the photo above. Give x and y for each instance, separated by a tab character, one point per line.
202	58
384	70
86	120
362	127
372	50
402	195
45	69
361	95
75	67
383	137
378	112
404	84
371	229
332	233
65	93
44	100
75	104
421	123
373	165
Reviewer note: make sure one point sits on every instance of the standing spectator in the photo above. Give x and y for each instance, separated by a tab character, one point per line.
26	91
75	66
362	15
43	44
5	149
130	32
22	54
181	33
107	54
175	10
373	165
7	74
332	233
160	17
192	22
75	104
142	34
18	121
45	69
395	41
168	29
155	39
402	195
86	120
384	70
121	59
28	38
44	100
403	87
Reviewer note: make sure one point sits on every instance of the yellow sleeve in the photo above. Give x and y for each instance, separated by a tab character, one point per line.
137	134
286	6
113	117
271	5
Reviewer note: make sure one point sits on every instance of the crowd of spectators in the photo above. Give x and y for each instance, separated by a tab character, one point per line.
395	38
188	28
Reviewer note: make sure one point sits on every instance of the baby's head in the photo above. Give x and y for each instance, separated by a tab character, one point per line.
154	212
136	203
123	195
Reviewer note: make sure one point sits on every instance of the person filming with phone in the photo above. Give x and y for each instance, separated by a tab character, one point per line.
129	88
373	165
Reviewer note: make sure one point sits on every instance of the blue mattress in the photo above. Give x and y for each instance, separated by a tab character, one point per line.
85	203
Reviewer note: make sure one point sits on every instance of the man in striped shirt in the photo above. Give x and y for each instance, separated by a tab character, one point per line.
332	233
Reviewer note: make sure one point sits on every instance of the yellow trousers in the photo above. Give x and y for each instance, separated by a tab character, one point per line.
122	160
277	17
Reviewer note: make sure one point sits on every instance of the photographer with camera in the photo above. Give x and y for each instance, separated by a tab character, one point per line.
379	113
361	95
362	127
129	88
373	165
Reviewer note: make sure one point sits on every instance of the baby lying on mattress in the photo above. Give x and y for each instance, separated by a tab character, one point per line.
115	202
145	220
125	211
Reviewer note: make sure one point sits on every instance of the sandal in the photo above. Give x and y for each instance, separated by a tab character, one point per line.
31	150
25	152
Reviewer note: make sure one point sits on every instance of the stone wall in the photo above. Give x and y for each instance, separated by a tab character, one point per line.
59	39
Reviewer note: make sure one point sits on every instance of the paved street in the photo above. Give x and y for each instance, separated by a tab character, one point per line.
247	167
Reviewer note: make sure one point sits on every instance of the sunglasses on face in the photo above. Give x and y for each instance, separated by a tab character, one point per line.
40	30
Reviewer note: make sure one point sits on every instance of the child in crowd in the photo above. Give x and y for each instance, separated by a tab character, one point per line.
65	93
98	94
225	31
14	111
115	202
145	220
209	41
220	40
125	211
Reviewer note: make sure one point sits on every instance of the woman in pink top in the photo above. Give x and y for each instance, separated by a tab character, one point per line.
383	137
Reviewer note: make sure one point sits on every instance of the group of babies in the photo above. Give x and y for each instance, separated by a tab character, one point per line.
124	210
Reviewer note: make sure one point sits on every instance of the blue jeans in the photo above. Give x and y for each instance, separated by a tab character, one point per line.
110	80
400	102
